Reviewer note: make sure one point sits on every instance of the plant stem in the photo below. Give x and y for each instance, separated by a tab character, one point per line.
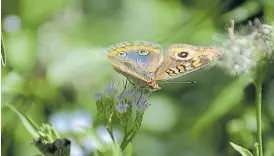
111	134
109	128
258	86
256	149
128	150
124	142
133	135
127	141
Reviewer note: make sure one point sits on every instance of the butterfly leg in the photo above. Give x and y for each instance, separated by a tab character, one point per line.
136	86
131	82
124	87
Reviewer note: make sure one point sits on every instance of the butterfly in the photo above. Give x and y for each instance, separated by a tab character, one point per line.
145	62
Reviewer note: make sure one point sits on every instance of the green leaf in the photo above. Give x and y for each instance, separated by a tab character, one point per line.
243	151
227	99
29	124
251	7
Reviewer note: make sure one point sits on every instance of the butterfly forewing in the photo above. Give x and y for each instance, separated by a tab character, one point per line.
136	61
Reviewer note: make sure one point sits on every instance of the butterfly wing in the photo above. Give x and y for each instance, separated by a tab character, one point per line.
183	59
136	61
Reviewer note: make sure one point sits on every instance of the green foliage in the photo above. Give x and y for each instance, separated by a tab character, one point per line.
30	125
228	98
46	139
243	151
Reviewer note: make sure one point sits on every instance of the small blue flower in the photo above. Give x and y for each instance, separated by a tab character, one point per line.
121	108
98	96
142	106
120	98
110	91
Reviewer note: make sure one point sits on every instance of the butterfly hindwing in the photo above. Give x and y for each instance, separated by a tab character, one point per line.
183	59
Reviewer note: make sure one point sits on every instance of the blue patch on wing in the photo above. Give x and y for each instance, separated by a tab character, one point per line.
141	60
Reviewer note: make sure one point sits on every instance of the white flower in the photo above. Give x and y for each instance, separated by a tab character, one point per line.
71	122
239	55
89	144
79	121
242	52
76	150
60	122
265	39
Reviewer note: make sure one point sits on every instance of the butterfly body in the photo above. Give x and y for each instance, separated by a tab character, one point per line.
147	65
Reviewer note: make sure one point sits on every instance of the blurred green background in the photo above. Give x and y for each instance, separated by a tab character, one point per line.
56	63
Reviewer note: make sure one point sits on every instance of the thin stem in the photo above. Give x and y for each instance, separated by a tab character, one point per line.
256	149
110	129
3	53
127	133
133	135
131	131
111	134
259	116
125	136
124	144
126	141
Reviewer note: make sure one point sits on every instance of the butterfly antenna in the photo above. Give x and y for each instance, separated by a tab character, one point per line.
186	82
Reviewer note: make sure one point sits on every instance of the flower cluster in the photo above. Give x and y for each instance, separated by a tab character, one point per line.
241	52
124	102
265	39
